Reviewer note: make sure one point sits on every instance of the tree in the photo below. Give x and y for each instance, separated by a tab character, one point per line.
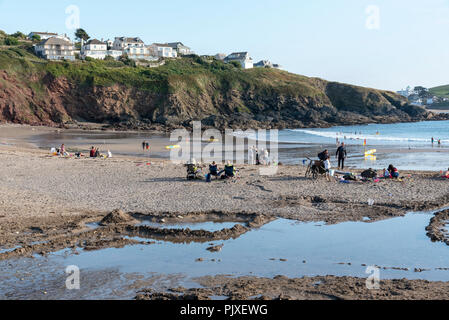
11	41
422	92
81	34
36	38
19	35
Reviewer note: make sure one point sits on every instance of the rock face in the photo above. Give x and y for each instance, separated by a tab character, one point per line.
275	99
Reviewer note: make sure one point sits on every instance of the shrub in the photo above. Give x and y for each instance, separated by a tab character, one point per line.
127	61
11	41
236	64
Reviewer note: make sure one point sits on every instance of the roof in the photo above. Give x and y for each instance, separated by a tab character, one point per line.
55	41
45	33
95	41
130	40
237	56
264	63
166	45
177	45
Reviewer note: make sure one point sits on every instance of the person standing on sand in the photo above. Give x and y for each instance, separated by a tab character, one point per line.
251	156
144	144
341	156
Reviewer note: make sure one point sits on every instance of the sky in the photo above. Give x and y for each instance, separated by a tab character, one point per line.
383	44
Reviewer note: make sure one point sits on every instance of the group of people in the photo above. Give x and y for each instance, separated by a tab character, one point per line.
341	156
194	171
228	172
438	141
145	146
258	157
95	153
60	152
391	173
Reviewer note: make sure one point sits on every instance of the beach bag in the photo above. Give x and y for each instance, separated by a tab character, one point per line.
369	174
350	177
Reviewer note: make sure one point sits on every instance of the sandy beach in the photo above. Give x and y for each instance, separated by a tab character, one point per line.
46	202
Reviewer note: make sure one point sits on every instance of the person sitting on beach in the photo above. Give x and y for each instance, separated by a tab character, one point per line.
229	171
97	153
394	172
213	170
387	174
62	150
92	152
446	175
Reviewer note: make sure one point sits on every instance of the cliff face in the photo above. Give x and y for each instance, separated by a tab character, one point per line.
40	93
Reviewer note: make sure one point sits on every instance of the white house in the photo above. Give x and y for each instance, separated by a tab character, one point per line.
163	50
180	48
133	47
55	49
407	92
266	64
243	58
95	49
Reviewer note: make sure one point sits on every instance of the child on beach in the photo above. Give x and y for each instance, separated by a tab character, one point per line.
328	166
387	174
394	172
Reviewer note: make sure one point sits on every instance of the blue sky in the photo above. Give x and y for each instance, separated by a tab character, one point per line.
319	38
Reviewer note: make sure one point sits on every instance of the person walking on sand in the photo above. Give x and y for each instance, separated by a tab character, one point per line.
341	156
144	144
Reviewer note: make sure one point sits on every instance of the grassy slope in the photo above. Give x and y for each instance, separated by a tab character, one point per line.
191	77
190	74
441	91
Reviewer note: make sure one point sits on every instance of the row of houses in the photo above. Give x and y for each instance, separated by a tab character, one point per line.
59	47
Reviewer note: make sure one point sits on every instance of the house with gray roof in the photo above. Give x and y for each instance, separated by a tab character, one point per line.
163	50
242	57
55	49
134	48
97	49
180	48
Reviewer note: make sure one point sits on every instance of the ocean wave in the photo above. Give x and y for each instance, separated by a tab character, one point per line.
368	137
